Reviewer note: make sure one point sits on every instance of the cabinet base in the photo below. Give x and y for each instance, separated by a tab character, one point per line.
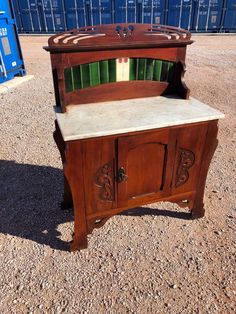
183	200
77	192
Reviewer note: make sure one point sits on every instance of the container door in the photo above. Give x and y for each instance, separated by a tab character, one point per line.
75	13
180	13
101	12
208	15
153	11
30	18
10	55
144	167
52	15
17	15
229	23
126	11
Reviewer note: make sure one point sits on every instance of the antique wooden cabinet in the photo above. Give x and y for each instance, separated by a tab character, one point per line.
127	131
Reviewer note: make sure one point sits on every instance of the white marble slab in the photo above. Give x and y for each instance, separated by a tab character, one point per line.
117	117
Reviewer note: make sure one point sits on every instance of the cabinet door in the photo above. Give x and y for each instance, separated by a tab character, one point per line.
144	167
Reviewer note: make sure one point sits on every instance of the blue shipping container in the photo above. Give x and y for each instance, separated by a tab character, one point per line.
50	16
180	13
127	11
28	15
153	11
11	60
207	15
229	18
100	12
17	16
75	14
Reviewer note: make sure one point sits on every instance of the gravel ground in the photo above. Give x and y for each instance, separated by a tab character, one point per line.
152	260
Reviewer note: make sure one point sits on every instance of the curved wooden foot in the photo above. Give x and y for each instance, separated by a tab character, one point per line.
79	244
197	212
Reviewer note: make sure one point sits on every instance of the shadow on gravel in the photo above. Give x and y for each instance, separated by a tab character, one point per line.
142	211
30	199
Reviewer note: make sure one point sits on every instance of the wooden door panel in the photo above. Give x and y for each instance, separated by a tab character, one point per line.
145	161
99	175
145	169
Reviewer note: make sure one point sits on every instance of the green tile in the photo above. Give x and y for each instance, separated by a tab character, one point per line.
164	71
112	70
157	70
76	77
170	72
94	73
85	75
141	68
68	80
104	71
132	69
149	69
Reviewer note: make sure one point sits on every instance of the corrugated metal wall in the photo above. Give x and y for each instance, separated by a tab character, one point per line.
49	16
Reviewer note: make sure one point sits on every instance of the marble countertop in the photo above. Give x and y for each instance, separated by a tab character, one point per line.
117	117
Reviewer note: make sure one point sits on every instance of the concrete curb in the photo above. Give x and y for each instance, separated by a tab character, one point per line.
5	87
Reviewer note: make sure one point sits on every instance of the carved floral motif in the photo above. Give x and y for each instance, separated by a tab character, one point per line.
104	179
186	160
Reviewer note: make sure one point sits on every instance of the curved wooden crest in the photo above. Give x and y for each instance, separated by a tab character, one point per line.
113	36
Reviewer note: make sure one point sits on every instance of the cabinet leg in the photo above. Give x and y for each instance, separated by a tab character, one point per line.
74	192
79	240
197	210
78	243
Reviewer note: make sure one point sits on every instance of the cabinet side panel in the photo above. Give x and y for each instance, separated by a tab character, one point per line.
189	148
99	175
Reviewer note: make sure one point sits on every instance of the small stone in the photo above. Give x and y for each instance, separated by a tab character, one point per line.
15	301
174	286
20	288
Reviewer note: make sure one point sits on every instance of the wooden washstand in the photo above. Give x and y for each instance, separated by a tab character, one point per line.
127	130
